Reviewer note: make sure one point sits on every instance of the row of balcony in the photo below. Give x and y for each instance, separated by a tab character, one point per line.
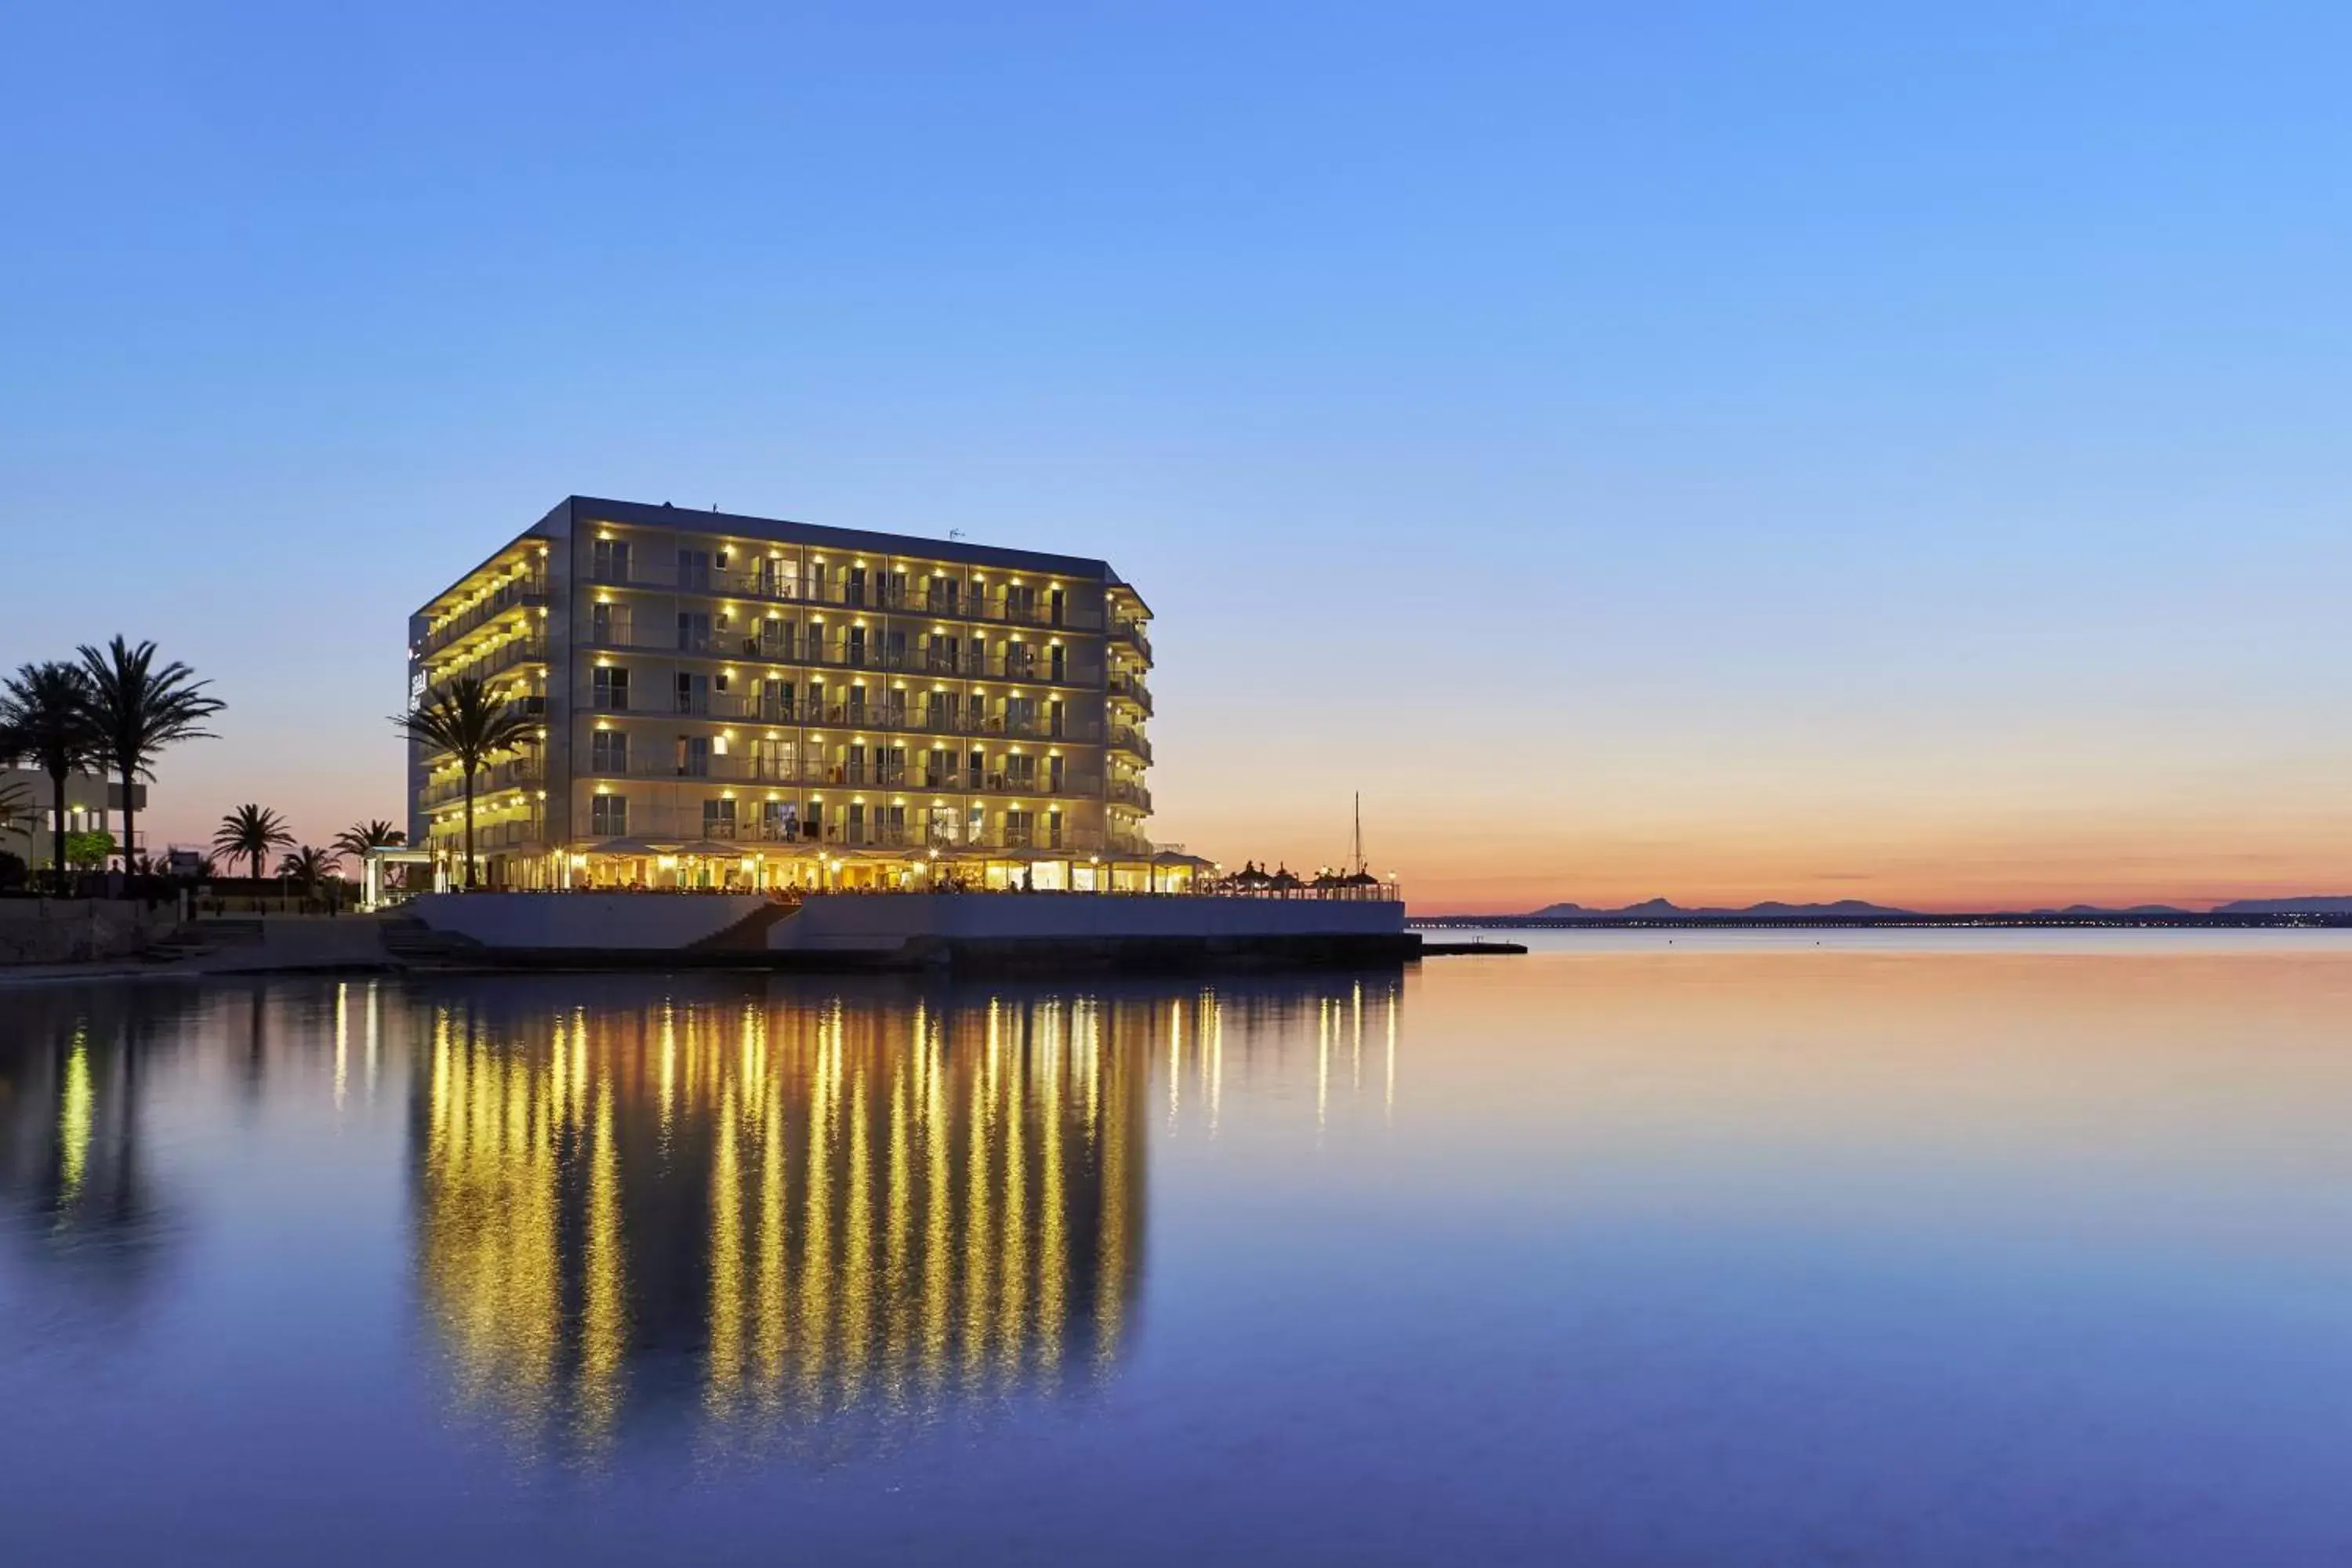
1029	664
916	718
819	772
499	775
529	590
929	598
505	657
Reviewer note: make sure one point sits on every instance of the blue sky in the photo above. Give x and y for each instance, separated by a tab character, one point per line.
1699	451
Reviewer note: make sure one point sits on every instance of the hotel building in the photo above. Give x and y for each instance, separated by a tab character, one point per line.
730	701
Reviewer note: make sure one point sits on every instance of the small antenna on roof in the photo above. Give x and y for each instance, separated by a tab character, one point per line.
955	534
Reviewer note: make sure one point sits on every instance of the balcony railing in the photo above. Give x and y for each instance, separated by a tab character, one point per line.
529	590
1122	793
993	607
489	781
824	774
522	650
916	718
1130	689
1127	737
1131	630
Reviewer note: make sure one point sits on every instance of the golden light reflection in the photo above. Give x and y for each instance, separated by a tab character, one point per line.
76	1106
878	1209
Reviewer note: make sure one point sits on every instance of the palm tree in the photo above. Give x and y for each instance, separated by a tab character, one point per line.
307	866
46	709
16	809
252	831
139	709
354	842
464	719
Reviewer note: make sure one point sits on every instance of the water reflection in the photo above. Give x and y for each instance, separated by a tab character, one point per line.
789	1210
73	1168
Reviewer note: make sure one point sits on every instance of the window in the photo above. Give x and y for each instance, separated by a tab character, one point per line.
612	690
947	824
857	823
776	638
942	710
857	704
608	815
938	769
1061	661
1053	774
1054	823
776	700
1016	829
609	561
978	768
693	632
1059	603
1053	719
719	820
1021	772
890	764
858	584
693	756
693	693
694	569
608	752
779	820
857	646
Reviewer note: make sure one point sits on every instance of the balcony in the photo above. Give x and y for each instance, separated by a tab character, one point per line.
1122	793
1127	737
1130	689
1131	631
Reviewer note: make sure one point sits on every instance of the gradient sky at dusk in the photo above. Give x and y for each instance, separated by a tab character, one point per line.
1711	451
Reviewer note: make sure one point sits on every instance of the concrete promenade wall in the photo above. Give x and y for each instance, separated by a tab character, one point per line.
885	922
608	923
881	922
79	930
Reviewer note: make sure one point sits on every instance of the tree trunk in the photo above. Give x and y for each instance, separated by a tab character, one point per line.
58	838
257	855
470	830
127	836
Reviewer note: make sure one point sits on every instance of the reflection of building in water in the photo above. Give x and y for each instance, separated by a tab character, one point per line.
1263	1027
815	1208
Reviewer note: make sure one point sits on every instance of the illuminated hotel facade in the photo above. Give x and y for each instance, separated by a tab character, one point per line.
732	702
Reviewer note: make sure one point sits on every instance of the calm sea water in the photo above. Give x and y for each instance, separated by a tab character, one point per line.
1913	1248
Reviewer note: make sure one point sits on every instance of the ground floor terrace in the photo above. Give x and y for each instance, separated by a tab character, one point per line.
716	866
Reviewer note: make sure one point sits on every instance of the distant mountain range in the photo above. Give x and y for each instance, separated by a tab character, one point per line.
1666	909
1857	909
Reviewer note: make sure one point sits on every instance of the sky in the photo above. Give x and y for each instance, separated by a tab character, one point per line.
1718	452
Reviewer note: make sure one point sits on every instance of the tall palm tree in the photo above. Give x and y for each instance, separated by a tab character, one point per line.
252	831
46	708
354	842
308	867
139	709
464	720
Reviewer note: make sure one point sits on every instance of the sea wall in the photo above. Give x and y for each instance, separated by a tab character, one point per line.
852	922
917	927
586	922
75	930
